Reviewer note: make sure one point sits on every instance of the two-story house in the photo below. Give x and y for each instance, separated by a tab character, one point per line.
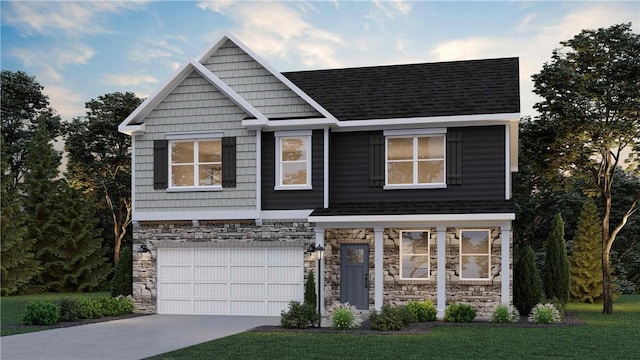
402	173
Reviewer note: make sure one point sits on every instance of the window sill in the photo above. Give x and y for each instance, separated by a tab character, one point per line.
423	186
194	188
292	187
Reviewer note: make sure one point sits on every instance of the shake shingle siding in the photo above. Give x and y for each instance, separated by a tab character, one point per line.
292	199
483	169
255	84
195	107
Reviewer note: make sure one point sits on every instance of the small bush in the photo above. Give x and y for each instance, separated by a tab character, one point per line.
310	290
40	313
116	306
505	314
299	316
423	310
461	313
545	314
70	309
90	309
122	282
344	316
387	319
406	315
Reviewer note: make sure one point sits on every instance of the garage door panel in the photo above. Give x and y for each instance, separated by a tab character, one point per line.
284	256
284	273
176	255
211	272
211	307
287	291
212	290
175	306
276	307
175	272
215	255
248	307
250	273
255	290
177	289
248	255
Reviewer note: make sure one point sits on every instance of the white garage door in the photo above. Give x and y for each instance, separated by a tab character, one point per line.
229	281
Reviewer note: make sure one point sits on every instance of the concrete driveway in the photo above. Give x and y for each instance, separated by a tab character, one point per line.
132	338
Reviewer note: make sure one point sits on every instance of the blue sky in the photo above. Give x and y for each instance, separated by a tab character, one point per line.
80	50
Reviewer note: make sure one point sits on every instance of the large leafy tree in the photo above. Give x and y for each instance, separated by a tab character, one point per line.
589	117
23	105
100	159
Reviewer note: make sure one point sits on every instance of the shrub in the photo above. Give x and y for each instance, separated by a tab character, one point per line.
556	265
90	309
69	309
459	313
344	316
545	314
42	312
505	314
406	315
387	319
423	310
310	290
527	289
299	316
122	282
116	306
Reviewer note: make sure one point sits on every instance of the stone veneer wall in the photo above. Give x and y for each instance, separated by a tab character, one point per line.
484	295
151	233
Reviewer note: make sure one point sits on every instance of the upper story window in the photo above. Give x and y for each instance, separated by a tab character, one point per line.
414	255
415	161
293	160
195	163
475	254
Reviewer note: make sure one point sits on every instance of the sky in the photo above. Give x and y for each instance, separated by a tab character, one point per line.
81	50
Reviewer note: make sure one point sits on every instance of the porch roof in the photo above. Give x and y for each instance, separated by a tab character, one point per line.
418	208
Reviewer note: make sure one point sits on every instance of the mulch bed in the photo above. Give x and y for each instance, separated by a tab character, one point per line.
63	324
422	328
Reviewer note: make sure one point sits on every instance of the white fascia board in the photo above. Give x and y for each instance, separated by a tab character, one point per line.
285	214
227	36
411	218
434	121
132	130
294	124
154	99
514	138
195	215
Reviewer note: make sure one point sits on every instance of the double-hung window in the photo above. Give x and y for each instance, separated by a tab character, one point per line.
195	163
475	254
414	161
414	255
293	160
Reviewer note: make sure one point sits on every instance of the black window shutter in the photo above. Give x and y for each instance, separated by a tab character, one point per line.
454	157
376	160
228	162
160	164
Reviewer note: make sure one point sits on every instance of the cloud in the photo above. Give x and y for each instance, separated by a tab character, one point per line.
70	53
293	38
72	18
168	49
67	103
393	8
218	6
125	80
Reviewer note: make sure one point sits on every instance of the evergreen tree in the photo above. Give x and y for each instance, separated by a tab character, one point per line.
527	289
18	264
586	261
310	290
556	266
122	282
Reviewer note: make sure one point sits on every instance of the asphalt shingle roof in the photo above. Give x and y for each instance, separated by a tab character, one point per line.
470	87
415	208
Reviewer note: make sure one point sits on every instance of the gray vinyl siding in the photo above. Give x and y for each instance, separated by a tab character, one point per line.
483	170
292	199
196	106
256	84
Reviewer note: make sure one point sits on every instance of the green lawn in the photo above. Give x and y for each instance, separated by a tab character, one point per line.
604	337
12	308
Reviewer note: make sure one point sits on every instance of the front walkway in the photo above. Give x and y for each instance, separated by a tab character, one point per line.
132	338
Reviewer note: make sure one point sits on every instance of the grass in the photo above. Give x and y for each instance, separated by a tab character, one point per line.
614	336
12	308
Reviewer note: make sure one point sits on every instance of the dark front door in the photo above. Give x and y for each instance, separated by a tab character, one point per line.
354	275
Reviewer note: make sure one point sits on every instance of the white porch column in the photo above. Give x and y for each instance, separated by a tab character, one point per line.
441	300
320	276
379	267
505	269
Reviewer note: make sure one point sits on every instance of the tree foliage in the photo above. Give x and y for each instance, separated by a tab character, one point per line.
527	289
310	290
589	118
23	106
122	282
100	159
586	266
556	265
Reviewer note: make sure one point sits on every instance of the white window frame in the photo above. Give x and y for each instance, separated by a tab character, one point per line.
428	254
488	254
415	134
279	137
194	138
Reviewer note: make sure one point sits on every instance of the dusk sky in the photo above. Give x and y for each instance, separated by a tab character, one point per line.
80	50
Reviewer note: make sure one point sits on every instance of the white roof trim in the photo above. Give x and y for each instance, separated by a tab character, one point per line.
410	218
432	121
227	36
129	125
